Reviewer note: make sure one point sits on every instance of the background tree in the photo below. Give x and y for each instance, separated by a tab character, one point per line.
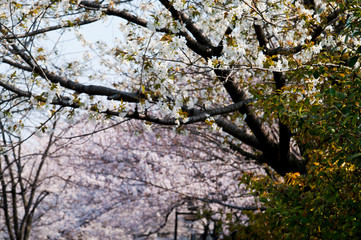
22	183
134	187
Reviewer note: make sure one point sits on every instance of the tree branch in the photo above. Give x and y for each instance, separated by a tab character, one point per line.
243	208
193	44
261	37
112	94
284	130
15	90
48	29
198	117
253	122
243	152
232	129
189	24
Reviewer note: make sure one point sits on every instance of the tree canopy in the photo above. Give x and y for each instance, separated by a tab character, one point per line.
179	62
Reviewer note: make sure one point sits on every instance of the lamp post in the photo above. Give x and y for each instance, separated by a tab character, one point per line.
188	216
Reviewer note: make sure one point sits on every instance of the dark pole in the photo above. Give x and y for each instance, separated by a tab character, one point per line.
176	225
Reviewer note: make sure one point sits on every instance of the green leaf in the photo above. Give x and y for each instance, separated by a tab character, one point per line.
343	51
340	95
339	163
358	49
353	61
354	156
316	74
263	199
332	92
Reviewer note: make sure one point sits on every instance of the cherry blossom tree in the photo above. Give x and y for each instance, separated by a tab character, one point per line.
177	63
236	66
133	187
80	181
